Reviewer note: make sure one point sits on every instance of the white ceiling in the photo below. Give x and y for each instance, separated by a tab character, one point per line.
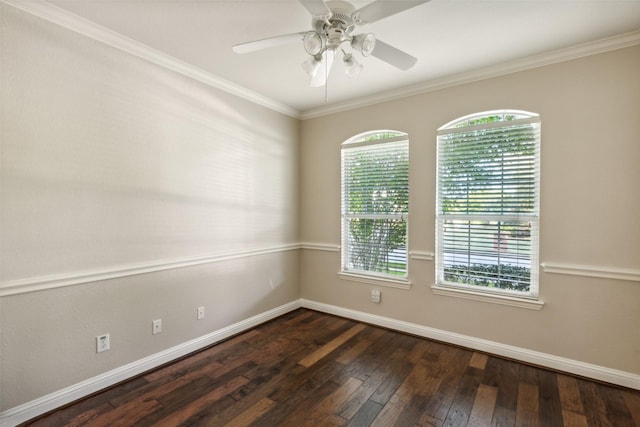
449	37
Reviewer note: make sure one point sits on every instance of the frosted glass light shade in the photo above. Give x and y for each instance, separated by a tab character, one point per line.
313	43
364	43
352	68
311	65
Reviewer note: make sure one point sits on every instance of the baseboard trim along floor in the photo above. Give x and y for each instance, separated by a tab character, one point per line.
82	389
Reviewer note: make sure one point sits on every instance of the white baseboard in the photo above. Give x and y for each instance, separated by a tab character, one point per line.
34	408
601	373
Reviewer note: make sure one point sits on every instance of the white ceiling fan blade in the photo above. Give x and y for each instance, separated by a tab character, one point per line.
381	9
393	56
316	7
320	78
267	43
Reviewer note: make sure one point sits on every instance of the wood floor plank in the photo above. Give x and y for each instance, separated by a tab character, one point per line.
503	374
331	346
483	406
594	407
632	400
87	418
251	414
478	360
357	375
452	364
96	404
571	419
617	412
418	350
195	406
395	368
550	408
570	398
159	388
460	409
412	411
301	317
366	414
390	412
527	409
353	352
403	395
293	411
326	407
503	417
180	366
127	414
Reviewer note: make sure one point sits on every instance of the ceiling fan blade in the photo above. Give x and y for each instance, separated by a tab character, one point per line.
267	43
320	78
393	56
316	7
381	9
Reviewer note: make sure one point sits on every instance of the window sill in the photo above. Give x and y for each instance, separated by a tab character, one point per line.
398	283
529	304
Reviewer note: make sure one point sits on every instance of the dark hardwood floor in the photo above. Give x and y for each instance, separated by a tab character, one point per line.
312	369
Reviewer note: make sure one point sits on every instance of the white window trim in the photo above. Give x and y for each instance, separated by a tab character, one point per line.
503	296
373	279
381	279
498	298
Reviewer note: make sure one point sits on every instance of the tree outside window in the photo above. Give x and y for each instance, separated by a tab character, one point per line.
488	202
375	203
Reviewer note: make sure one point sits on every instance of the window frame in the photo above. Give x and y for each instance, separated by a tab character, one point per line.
478	292
370	276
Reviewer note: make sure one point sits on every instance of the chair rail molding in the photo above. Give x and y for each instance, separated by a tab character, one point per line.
592	271
33	284
422	255
316	246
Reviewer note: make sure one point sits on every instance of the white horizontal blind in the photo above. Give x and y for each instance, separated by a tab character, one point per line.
488	203
375	204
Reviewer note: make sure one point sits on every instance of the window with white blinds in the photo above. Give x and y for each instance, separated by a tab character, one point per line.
375	204
488	182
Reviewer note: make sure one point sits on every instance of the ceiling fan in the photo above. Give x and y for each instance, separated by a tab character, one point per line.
333	26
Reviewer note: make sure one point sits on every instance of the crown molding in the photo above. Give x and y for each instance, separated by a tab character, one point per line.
94	31
521	64
111	38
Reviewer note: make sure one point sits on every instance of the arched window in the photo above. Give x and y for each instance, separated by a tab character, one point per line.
487	207
375	204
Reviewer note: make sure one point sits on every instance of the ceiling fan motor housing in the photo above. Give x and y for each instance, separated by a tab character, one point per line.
338	28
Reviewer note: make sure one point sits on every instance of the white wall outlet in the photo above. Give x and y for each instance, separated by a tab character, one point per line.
156	326
375	295
103	343
200	313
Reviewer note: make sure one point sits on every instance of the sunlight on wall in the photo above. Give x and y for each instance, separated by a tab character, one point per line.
109	160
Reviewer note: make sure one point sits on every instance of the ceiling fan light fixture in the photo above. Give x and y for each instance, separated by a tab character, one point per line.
364	43
313	43
352	67
311	66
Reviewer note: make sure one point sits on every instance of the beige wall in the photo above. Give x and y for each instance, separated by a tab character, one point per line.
110	161
590	208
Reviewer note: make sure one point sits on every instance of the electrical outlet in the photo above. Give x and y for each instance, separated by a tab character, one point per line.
375	296
200	313
157	326
103	343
